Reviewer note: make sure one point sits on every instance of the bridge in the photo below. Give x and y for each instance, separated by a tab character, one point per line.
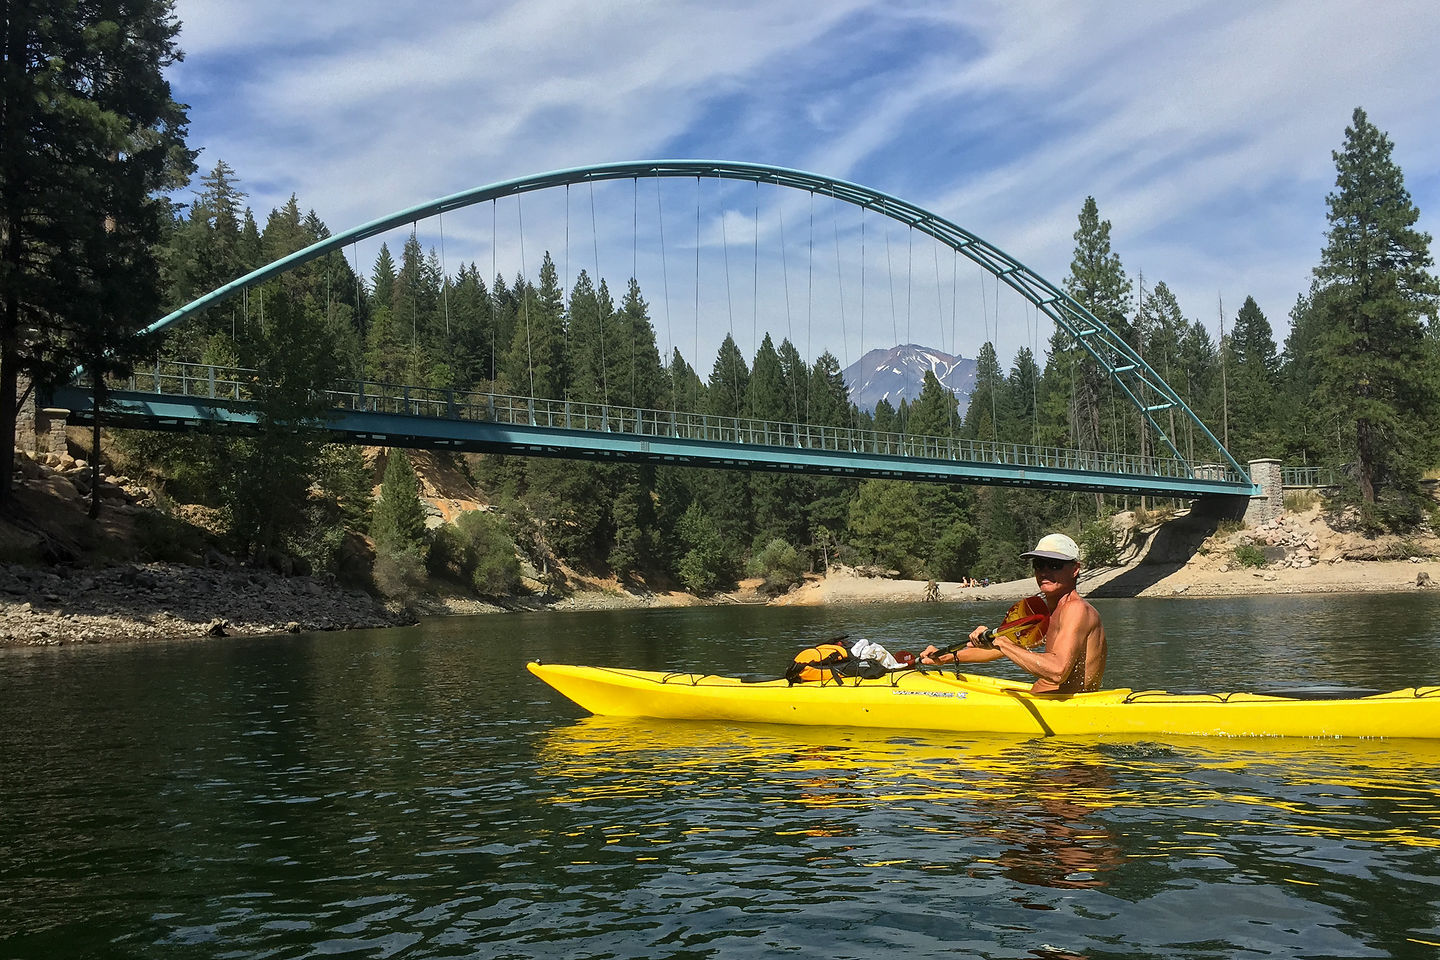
176	395
183	396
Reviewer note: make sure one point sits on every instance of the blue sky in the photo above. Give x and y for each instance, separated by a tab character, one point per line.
1203	130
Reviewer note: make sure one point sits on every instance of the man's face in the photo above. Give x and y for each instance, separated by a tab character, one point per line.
1054	576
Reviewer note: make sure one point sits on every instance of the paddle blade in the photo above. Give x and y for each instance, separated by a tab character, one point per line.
1025	623
1028	632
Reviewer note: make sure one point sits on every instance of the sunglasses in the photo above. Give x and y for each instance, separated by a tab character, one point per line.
1050	566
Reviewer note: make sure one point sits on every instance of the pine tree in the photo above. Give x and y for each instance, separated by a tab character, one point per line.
536	358
1252	366
90	140
643	358
935	412
399	520
794	382
1374	362
1309	431
989	401
1098	282
1160	329
729	381
265	480
585	357
1023	386
829	398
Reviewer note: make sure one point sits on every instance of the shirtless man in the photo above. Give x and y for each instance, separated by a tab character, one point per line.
1074	657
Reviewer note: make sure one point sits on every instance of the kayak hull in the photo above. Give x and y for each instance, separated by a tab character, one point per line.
924	700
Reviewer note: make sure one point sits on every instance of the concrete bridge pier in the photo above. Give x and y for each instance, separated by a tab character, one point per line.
38	429
1270	502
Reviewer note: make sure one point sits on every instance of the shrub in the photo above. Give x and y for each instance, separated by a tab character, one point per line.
477	549
704	565
1099	547
1299	501
1249	555
400	574
494	568
779	563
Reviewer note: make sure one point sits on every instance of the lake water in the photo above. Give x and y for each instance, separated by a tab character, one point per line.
415	793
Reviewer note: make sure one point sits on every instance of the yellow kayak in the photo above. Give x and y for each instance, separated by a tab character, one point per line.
930	700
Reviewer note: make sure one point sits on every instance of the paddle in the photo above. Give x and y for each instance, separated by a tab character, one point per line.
1024	624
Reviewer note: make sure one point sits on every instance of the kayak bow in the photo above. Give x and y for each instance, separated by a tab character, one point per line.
919	700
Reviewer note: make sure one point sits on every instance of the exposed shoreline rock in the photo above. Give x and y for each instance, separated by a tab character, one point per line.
51	606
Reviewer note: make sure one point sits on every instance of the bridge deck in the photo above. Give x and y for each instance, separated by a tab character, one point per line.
188	396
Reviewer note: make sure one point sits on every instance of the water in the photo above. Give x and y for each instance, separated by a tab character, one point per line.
414	793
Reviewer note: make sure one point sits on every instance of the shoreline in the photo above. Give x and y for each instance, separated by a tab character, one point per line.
158	601
1141	580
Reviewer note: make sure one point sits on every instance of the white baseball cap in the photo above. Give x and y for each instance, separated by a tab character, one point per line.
1054	546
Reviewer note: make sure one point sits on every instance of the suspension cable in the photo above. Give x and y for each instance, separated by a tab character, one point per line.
630	320
954	324
599	313
729	306
494	294
525	295
355	253
862	281
909	283
940	322
789	318
415	293
995	351
890	274
695	403
665	278
809	299
839	282
444	278
567	293
755	284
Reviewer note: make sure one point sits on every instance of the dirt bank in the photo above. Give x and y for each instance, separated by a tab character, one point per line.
1190	556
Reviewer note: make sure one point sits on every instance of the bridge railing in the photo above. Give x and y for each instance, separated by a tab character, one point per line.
365	396
1305	476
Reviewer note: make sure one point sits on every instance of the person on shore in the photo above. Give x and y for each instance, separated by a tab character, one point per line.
1073	659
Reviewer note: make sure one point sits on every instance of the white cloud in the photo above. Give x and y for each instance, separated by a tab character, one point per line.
1204	130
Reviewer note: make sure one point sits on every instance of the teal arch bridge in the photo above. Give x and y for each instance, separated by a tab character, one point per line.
180	396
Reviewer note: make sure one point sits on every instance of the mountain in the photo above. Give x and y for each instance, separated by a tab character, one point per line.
889	374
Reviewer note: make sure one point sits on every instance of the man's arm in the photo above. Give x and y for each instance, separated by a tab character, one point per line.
965	655
1063	645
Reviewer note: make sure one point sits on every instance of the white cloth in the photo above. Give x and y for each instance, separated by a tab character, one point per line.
870	650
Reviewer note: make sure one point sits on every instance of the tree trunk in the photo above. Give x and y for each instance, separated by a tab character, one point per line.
99	403
9	380
1365	443
15	24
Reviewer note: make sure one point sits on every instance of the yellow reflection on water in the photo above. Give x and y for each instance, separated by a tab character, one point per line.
1040	799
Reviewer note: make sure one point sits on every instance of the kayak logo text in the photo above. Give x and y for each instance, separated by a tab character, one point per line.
957	694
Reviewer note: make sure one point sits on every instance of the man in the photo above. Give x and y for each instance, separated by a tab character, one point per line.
1073	660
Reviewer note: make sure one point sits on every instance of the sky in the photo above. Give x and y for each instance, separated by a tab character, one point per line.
1203	130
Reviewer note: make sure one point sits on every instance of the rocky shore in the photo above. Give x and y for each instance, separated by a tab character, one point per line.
41	607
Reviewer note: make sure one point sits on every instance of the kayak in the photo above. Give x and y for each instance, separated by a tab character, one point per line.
932	700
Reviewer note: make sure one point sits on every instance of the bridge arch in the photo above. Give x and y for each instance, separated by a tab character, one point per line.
1145	389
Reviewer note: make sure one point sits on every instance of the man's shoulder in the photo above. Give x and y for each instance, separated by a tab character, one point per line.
1077	607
